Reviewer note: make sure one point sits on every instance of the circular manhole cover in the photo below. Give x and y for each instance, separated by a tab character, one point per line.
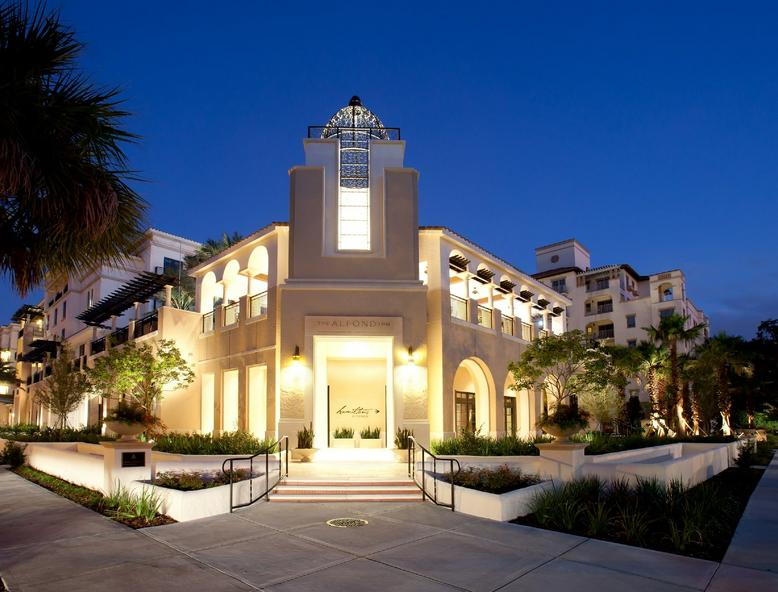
346	522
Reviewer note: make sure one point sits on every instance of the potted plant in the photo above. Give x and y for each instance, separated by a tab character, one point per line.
402	439
128	420
370	437
305	450
343	438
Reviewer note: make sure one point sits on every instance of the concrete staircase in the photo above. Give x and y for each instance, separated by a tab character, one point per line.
346	490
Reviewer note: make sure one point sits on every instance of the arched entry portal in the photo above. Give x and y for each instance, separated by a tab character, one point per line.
472	396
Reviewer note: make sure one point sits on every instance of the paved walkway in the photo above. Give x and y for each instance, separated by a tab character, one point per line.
48	543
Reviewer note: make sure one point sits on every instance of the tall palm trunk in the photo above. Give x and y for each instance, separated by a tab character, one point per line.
725	401
675	389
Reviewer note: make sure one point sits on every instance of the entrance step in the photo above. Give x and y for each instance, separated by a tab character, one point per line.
334	490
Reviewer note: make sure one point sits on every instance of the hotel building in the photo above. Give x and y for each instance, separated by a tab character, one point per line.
350	315
614	303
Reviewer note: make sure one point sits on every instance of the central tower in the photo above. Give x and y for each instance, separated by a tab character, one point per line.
353	205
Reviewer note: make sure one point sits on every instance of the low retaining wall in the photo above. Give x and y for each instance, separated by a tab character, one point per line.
502	506
64	460
191	505
689	463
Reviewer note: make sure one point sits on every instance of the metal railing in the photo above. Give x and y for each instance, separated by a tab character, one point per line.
97	346
283	471
383	133
208	322
120	336
600	285
506	324
147	324
485	317
258	305
542	333
605	333
231	314
526	331
426	457
459	307
601	309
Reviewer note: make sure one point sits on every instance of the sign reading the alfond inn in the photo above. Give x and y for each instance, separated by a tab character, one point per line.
346	325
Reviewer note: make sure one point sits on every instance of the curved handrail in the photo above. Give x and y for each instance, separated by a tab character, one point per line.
433	497
282	460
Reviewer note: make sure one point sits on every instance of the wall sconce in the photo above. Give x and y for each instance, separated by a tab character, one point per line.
296	357
410	354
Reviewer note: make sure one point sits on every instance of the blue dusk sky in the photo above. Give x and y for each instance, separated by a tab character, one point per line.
648	131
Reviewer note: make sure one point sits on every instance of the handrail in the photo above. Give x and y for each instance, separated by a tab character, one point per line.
412	444
268	487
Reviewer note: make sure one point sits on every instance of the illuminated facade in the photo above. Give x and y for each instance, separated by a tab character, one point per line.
350	316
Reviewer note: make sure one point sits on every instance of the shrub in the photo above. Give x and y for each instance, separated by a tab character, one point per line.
133	507
13	455
33	433
402	438
473	444
305	437
344	433
565	416
225	443
697	521
370	433
493	480
194	480
600	443
126	412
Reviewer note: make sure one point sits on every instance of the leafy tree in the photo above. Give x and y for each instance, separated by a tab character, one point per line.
567	367
65	203
671	331
723	357
139	374
65	388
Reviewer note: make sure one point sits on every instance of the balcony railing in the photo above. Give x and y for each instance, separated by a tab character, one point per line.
485	317
605	333
506	324
258	305
458	308
601	309
208	322
542	333
98	345
526	331
599	285
231	314
147	324
120	336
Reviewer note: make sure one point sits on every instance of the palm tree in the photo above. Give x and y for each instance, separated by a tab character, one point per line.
64	200
651	374
671	331
724	356
211	248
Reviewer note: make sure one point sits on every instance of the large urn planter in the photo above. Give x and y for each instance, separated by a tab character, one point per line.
401	455
128	432
370	443
562	433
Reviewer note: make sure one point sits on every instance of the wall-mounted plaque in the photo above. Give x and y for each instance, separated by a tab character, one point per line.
133	459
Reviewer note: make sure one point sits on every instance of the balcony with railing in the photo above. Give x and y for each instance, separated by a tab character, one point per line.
458	308
98	345
542	333
599	308
258	305
209	322
506	324
605	332
485	317
596	285
526	331
120	336
231	314
147	324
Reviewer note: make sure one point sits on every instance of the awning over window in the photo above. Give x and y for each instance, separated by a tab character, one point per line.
139	289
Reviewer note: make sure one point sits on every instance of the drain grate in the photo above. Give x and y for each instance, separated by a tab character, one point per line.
346	522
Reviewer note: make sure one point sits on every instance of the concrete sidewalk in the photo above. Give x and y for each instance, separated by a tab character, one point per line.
48	543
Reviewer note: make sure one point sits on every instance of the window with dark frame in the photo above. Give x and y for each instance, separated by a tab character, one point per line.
510	416
465	411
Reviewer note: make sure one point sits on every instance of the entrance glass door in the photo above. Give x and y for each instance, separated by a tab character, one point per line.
465	411
510	415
